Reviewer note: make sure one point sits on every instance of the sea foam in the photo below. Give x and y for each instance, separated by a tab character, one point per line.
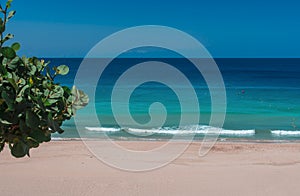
285	133
174	131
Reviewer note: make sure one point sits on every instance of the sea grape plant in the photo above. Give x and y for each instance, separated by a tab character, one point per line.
32	105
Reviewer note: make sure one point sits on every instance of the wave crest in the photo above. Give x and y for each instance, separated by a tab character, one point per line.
174	131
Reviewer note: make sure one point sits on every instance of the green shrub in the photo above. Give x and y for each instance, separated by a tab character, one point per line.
32	105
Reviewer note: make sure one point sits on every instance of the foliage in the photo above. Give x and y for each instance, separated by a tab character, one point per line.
32	105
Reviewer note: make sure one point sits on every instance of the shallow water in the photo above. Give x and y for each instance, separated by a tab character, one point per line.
263	100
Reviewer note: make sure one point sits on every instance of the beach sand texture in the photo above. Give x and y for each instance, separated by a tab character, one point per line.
68	168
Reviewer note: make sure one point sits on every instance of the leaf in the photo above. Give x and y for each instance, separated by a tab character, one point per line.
5	122
48	74
79	99
13	83
9	100
33	70
5	61
8	3
25	60
39	135
13	64
22	81
39	65
32	120
41	104
12	80
54	125
23	126
8	52
16	46
3	69
62	70
57	92
11	14
20	95
47	91
19	149
36	92
49	102
32	143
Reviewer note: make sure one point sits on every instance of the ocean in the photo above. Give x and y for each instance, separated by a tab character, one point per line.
262	95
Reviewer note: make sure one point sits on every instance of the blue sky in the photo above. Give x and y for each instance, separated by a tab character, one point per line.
69	28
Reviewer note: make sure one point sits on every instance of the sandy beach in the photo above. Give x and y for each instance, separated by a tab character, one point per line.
68	168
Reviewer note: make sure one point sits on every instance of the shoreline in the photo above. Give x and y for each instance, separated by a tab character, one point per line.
219	140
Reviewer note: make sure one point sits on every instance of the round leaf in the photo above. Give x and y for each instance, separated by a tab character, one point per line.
16	46
19	149
8	52
62	70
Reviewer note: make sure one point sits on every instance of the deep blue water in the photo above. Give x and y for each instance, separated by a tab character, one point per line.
263	98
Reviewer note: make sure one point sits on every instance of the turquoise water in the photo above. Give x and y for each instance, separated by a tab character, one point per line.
263	100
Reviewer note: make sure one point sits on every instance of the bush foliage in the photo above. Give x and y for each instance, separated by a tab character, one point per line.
32	105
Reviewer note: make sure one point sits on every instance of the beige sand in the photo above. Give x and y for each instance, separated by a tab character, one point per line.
68	168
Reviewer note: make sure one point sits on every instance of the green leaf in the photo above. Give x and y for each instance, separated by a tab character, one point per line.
49	102
3	70
54	125
5	61
23	126
22	81
13	83
5	122
48	73
33	70
12	80
57	92
47	91
25	60
19	149
40	136
16	46
79	99
8	3
9	100
32	143
39	64
13	64
8	52
62	70
40	104
32	120
36	92
11	14
20	95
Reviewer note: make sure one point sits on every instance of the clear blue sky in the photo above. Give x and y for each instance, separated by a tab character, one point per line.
69	28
